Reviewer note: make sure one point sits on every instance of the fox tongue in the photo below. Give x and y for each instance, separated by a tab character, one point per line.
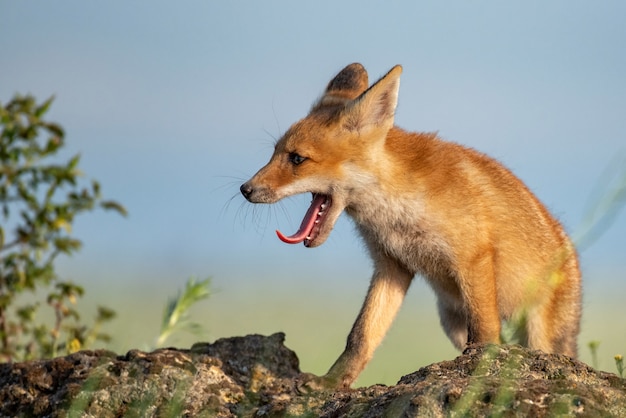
307	223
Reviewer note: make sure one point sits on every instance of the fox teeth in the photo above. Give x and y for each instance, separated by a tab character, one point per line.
317	221
323	206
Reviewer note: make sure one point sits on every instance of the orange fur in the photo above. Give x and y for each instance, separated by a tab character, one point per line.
489	249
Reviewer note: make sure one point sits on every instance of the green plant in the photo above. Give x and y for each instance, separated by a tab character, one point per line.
593	347
619	363
39	200
176	312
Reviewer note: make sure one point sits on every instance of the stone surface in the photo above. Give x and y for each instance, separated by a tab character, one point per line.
256	376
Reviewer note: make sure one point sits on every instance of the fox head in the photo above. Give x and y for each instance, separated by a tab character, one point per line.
330	153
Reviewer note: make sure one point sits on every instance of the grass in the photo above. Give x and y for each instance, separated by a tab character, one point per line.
176	312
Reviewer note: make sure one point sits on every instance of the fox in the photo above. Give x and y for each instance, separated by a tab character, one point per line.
486	245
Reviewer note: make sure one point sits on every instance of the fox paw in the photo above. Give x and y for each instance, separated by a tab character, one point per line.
308	383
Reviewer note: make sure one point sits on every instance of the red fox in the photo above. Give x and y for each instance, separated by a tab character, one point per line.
485	244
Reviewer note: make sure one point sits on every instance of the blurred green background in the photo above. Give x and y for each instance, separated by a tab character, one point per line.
317	318
172	107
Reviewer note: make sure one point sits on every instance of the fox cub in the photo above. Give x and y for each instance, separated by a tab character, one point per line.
485	244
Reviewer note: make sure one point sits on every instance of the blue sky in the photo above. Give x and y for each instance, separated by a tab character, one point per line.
173	106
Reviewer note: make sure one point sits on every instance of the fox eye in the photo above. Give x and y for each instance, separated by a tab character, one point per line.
295	158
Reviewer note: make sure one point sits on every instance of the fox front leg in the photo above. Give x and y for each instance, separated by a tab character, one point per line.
384	298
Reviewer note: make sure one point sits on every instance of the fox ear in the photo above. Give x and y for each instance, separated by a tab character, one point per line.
349	84
377	106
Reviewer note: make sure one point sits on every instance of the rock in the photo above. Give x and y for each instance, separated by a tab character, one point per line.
256	376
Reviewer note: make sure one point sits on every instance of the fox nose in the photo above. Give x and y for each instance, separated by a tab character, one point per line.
246	190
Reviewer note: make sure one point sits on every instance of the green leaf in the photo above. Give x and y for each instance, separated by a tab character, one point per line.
112	205
95	187
27	313
73	162
105	314
53	145
67	245
68	289
43	108
56	130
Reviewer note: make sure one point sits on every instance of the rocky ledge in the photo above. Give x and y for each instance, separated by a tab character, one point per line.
256	376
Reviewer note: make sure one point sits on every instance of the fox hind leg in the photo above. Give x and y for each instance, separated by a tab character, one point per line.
553	327
454	323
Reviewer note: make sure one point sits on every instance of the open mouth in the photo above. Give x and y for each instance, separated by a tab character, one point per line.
312	222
